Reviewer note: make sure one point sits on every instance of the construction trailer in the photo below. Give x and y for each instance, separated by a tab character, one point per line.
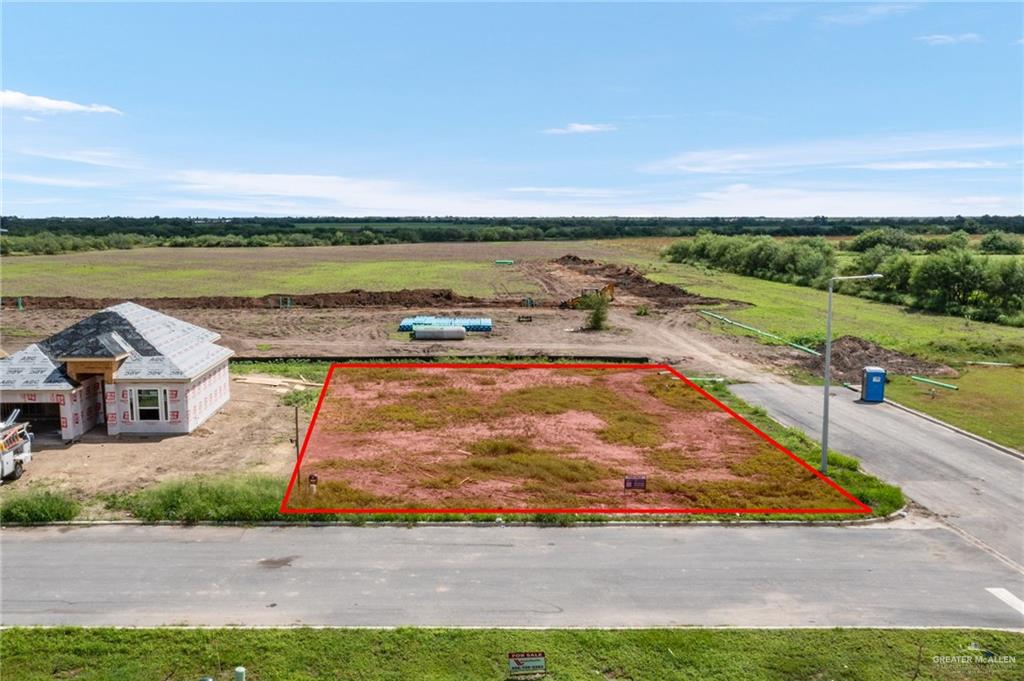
127	368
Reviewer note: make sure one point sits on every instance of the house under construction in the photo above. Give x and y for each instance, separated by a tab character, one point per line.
126	368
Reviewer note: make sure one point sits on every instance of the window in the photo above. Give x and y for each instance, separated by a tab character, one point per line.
149	404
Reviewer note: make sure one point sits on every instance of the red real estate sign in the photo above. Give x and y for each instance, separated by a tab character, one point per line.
526	663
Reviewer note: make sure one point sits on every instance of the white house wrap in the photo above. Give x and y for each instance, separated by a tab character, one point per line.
134	369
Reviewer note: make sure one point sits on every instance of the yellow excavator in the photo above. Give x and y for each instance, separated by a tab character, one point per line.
607	292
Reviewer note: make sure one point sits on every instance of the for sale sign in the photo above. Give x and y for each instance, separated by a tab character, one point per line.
521	664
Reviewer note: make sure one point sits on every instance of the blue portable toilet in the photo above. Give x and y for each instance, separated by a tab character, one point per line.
872	384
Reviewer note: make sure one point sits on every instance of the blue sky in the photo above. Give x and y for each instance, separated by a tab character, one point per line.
196	109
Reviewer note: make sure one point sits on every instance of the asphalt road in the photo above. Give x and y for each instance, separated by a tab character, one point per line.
913	572
972	486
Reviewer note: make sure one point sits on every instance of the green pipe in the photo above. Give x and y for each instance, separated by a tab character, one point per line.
802	348
993	364
930	381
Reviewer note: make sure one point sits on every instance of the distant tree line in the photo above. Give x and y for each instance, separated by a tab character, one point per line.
941	275
61	235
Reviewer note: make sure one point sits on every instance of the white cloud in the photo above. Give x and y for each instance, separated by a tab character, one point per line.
575	192
828	152
48	181
858	15
930	165
108	158
10	99
946	39
224	192
744	199
298	194
580	129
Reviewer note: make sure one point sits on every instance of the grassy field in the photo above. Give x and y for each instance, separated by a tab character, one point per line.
988	403
443	654
50	276
467	268
798	313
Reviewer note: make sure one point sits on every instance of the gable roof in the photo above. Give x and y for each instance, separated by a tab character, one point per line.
157	346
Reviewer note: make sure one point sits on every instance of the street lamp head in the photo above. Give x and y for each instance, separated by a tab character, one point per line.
874	275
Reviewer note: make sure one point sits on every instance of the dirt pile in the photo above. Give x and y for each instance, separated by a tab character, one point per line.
633	281
851	354
354	298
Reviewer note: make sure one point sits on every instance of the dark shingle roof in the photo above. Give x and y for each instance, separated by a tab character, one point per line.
157	347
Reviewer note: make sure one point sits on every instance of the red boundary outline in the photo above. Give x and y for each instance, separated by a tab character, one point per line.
861	506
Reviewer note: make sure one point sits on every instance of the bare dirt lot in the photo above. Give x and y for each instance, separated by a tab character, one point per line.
548	438
679	337
253	434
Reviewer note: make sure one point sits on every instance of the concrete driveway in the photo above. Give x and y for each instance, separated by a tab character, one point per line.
974	487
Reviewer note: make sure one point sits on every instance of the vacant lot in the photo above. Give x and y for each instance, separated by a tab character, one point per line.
551	438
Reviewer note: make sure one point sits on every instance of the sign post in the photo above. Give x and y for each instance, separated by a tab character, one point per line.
526	664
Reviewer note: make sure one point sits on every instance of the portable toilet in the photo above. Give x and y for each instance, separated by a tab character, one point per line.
872	384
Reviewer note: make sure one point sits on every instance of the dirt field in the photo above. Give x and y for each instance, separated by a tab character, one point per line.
679	337
474	438
253	433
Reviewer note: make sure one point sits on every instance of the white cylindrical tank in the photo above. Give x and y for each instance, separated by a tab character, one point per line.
439	332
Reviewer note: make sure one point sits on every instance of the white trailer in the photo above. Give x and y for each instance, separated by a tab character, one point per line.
15	448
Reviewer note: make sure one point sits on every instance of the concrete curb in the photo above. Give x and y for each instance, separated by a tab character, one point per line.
484	627
895	515
966	433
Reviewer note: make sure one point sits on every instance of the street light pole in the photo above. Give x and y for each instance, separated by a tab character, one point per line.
828	366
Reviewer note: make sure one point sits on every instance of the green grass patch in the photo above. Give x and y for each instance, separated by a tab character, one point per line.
626	422
465	278
798	314
989	401
508	458
37	506
246	498
250	272
676	394
304	398
457	655
287	368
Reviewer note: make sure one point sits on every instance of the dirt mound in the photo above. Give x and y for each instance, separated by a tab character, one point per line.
851	354
353	298
633	281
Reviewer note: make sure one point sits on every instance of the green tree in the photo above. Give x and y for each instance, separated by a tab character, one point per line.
946	281
1001	242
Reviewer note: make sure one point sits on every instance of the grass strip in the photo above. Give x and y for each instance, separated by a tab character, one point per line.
443	654
37	506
